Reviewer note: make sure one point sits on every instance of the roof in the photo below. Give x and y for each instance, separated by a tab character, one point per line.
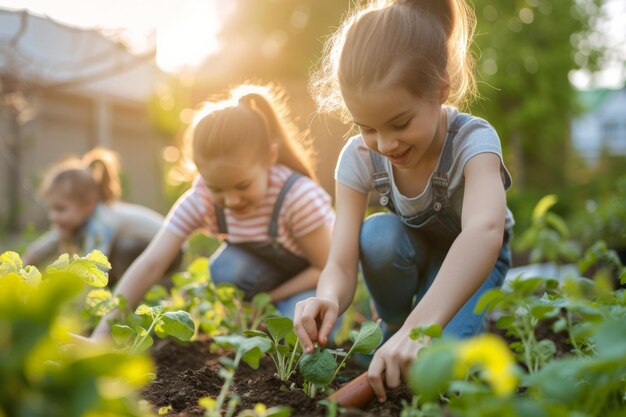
50	54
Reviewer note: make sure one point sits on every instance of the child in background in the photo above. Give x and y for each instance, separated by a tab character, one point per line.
395	67
256	188
83	204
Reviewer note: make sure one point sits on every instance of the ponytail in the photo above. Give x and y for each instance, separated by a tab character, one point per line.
414	44
104	167
293	150
254	117
93	177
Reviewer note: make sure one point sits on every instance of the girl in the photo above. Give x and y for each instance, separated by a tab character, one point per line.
256	188
82	198
440	173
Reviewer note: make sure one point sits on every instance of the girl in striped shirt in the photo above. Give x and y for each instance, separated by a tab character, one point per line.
256	189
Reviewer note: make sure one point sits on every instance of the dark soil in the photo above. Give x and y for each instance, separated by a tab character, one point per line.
185	373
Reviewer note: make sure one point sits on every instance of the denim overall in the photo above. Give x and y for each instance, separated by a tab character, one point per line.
400	255
256	267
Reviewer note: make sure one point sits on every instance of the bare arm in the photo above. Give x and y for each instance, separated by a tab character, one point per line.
315	245
337	282
474	252
146	271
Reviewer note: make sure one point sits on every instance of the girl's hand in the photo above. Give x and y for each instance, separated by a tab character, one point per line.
313	321
393	361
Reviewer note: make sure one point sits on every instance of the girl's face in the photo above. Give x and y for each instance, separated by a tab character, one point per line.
395	123
238	182
66	214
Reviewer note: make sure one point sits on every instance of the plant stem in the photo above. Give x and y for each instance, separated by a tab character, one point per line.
152	325
345	358
291	366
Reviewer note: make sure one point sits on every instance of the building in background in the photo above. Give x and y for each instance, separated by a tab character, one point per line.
63	91
602	126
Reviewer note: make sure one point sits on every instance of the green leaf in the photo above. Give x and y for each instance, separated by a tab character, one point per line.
318	367
489	300
146	343
100	302
544	205
98	259
278	411
279	327
622	278
432	371
122	334
143	310
261	300
250	348
368	338
611	339
178	324
89	272
10	262
433	330
31	275
258	333
558	224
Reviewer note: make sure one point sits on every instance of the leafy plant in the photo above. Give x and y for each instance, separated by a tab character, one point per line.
248	349
42	370
217	309
285	355
320	367
178	324
548	235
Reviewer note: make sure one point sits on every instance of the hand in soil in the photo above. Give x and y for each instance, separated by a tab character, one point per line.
392	361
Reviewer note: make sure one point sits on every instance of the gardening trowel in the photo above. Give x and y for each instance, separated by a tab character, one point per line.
355	394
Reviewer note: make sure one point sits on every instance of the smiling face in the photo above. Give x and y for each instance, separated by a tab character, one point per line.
239	181
406	129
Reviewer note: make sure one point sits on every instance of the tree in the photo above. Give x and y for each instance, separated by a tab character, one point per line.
526	51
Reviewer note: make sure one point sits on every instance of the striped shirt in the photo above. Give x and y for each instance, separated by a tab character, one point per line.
305	208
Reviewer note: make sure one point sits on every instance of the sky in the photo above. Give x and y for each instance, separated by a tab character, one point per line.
185	31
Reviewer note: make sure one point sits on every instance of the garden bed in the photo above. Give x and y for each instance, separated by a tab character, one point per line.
188	372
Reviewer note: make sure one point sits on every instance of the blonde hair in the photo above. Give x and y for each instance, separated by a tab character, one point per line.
254	117
95	175
412	44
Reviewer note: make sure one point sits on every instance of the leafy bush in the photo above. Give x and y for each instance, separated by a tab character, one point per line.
42	370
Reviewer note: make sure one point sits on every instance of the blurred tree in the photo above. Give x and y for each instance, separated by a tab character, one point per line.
526	50
278	39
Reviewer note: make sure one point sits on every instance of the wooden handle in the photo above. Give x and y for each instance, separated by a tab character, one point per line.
355	394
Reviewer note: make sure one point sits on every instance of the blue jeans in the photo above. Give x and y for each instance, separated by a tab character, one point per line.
253	274
399	266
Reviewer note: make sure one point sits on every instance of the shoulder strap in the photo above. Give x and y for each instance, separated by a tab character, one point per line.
291	180
221	220
380	180
440	176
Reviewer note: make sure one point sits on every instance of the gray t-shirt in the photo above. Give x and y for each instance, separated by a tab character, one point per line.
355	169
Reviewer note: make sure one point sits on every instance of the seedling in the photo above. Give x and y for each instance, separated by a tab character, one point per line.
248	349
171	323
320	368
286	350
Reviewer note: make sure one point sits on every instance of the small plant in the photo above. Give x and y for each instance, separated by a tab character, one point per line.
248	349
320	367
286	350
548	235
178	324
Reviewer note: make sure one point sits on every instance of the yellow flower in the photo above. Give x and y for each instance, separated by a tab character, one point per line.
260	409
493	356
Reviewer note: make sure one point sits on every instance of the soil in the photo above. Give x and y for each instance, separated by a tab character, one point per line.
188	372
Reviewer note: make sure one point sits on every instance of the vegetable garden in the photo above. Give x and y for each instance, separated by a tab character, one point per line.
556	347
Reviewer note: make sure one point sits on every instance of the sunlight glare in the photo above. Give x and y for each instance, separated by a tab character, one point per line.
187	35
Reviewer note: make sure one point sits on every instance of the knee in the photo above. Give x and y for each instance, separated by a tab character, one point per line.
382	241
